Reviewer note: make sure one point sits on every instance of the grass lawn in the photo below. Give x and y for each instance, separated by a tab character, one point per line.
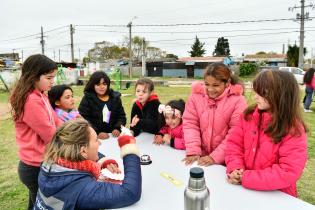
13	194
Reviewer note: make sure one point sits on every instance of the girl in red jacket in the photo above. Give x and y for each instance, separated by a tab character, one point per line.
267	149
35	120
171	119
212	110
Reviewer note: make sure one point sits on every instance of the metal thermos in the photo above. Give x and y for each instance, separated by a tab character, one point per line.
197	196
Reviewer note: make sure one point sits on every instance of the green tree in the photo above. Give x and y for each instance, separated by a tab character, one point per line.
222	48
197	49
293	55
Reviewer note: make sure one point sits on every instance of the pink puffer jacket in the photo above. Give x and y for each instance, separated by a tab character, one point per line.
268	166
207	122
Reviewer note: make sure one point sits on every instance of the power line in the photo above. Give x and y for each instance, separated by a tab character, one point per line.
229	36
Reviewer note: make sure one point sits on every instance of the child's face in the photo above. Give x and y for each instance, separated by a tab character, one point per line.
46	81
171	120
66	101
92	149
214	87
101	88
142	93
262	103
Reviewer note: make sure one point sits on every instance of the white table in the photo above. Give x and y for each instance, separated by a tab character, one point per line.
160	194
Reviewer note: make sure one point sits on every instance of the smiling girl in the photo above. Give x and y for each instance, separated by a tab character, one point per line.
211	112
102	106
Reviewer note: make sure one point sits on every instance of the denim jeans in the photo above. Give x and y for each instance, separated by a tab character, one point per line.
308	97
29	177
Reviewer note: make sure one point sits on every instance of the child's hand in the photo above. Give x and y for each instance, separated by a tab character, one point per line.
158	139
205	161
190	159
103	135
167	139
235	177
116	133
134	121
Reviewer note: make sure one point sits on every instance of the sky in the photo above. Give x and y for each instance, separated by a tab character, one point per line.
21	21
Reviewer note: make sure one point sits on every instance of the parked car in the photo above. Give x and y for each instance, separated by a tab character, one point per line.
297	72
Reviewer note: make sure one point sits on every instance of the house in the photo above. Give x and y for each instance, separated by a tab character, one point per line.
269	59
183	67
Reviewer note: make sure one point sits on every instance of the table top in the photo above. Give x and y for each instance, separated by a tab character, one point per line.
158	193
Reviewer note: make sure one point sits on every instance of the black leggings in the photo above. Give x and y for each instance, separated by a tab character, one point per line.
29	177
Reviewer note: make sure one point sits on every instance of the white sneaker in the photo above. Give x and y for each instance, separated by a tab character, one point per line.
307	110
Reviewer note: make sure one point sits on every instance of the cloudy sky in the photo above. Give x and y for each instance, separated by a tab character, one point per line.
20	23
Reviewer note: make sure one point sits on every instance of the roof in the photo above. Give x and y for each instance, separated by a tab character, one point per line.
266	57
201	59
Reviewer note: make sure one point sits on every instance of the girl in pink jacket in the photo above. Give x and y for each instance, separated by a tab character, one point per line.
212	110
35	120
267	149
171	119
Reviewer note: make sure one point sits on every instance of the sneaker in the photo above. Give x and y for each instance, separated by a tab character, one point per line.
307	110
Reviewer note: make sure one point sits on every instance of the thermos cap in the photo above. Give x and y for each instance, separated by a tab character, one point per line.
196	172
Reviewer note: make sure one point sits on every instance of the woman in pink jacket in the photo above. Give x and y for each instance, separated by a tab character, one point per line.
35	120
267	150
212	110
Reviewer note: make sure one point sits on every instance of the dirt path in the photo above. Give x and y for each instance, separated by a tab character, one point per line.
5	111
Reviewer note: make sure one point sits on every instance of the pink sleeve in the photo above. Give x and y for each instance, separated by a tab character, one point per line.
234	157
292	159
218	154
313	82
37	118
191	128
164	130
179	142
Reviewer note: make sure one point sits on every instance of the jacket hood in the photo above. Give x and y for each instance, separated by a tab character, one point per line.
55	178
152	97
199	88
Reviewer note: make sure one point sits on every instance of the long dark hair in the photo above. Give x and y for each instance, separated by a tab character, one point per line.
56	92
282	92
96	79
174	104
308	76
33	67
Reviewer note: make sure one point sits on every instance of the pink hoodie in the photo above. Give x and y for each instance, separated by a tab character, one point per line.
207	122
36	128
268	166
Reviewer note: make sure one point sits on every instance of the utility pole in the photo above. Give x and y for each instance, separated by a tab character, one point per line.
130	49
22	56
42	41
54	55
71	37
302	17
143	57
59	55
13	55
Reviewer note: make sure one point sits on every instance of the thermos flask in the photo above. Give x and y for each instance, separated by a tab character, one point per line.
196	195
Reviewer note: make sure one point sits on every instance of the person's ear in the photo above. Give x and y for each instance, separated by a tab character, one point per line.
84	152
57	103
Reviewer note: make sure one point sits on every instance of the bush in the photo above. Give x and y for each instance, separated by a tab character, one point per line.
248	69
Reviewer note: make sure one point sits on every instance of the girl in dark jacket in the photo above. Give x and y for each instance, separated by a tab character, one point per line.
102	106
144	112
